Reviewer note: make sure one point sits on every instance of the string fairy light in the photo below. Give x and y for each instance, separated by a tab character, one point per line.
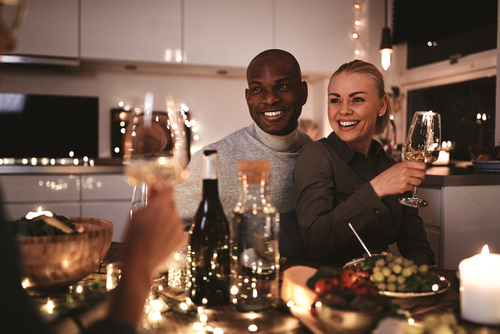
359	25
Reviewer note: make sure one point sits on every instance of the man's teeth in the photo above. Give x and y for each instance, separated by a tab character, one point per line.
348	123
273	113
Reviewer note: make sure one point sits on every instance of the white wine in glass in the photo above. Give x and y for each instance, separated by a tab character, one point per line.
155	146
423	143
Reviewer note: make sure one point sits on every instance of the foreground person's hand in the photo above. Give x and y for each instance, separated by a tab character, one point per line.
401	177
152	235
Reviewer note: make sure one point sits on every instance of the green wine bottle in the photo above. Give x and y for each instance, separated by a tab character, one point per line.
209	242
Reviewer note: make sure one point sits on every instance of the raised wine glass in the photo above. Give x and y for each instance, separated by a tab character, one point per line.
155	156
422	144
155	149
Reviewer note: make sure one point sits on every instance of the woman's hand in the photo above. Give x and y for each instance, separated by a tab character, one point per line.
401	177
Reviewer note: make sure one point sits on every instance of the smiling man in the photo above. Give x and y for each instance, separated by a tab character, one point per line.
275	96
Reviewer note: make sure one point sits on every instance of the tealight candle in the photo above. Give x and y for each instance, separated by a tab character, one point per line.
480	288
32	214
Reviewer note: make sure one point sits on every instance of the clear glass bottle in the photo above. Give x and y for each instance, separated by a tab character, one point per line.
209	242
254	241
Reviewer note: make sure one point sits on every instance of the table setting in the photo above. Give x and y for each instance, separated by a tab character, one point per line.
168	310
257	292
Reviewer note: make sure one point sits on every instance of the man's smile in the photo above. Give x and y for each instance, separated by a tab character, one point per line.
273	113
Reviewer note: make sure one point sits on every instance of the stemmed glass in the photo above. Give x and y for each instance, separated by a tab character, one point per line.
422	144
155	156
155	148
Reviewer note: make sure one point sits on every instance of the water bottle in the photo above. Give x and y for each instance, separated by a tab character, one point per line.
254	241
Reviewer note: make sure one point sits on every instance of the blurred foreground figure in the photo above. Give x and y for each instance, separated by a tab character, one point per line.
153	234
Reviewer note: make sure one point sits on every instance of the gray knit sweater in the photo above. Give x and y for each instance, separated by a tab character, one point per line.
250	143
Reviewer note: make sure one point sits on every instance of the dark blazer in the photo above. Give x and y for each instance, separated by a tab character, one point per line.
333	189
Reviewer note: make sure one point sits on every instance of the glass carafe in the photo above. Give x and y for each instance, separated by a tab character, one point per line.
254	241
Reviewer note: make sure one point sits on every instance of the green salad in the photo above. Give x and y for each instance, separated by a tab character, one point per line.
38	227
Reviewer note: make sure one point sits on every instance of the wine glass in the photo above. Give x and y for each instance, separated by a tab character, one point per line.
155	156
155	148
422	144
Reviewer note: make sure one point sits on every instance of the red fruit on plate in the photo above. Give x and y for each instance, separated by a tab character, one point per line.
322	287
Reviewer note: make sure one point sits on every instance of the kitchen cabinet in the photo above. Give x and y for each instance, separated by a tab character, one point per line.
432	221
108	197
460	220
50	29
316	32
226	32
131	30
103	196
46	188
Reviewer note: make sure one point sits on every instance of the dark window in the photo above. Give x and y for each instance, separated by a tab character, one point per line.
459	105
437	30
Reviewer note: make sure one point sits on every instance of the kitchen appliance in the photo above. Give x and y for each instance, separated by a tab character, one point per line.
48	126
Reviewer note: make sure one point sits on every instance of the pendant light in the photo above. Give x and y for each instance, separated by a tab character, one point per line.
386	43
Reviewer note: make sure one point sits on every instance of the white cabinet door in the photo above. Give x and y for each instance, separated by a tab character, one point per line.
40	188
226	32
109	197
97	187
131	30
316	32
50	29
116	212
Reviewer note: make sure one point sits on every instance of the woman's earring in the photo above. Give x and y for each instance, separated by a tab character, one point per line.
380	115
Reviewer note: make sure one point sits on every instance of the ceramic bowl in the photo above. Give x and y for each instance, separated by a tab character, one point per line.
349	321
56	261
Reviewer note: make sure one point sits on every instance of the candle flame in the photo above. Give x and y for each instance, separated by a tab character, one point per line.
485	255
35	214
485	251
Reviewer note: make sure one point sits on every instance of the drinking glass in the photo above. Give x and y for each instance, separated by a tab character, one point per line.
423	143
155	149
155	152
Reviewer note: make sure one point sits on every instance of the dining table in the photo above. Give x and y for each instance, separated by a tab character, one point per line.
174	315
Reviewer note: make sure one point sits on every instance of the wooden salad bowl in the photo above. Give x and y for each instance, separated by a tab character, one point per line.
52	262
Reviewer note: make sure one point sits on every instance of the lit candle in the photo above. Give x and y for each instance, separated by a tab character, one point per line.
480	288
32	214
49	306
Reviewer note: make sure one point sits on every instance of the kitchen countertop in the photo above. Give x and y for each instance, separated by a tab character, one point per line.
455	174
459	174
101	166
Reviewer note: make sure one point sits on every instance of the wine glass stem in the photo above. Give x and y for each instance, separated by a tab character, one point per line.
415	192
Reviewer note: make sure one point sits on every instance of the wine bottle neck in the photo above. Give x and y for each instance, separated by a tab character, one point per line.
210	189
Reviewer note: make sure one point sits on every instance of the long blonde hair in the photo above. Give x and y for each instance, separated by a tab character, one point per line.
363	67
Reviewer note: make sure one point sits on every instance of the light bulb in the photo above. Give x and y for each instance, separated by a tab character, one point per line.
386	58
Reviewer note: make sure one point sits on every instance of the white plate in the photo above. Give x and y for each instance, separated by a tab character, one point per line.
486	166
417	294
354	263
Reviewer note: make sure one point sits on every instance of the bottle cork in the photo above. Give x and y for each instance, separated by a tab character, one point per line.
255	171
